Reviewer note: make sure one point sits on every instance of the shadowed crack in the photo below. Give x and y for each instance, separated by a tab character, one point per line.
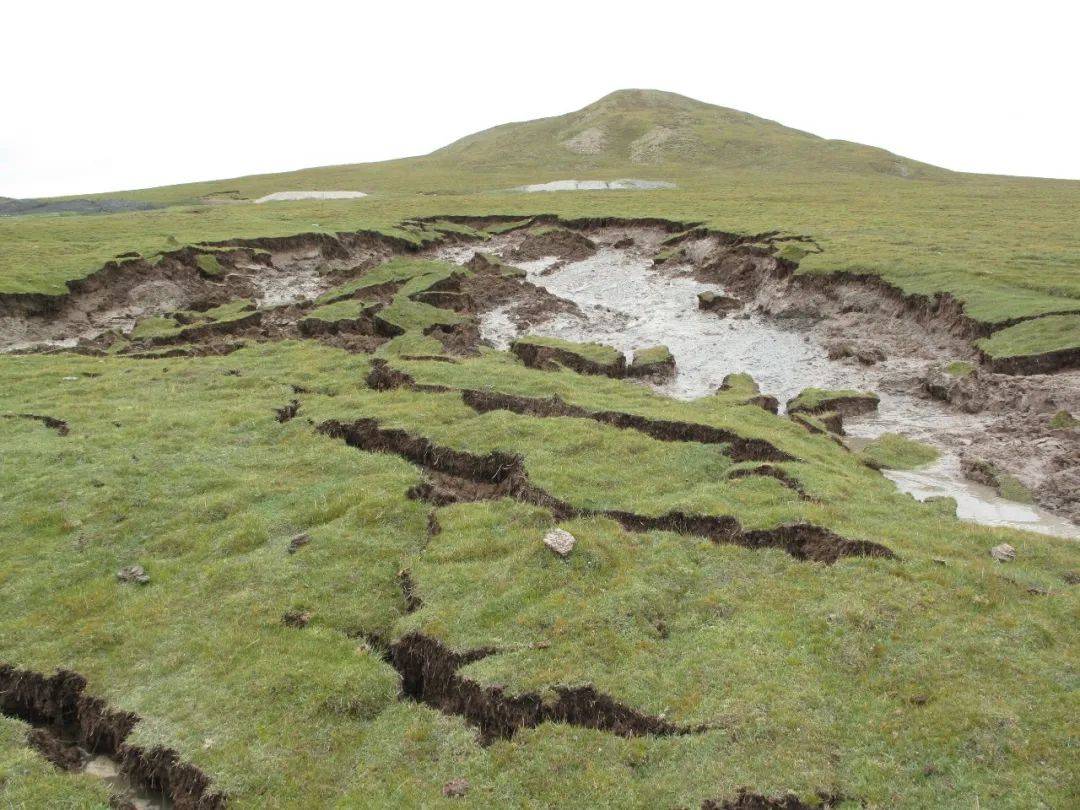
413	602
384	377
457	475
745	800
287	412
429	674
59	425
771	471
738	447
58	707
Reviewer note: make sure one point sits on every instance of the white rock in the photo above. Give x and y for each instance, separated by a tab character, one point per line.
1003	553
560	541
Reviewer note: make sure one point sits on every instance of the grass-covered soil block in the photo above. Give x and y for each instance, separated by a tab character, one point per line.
347	315
845	402
985	472
183	326
654	361
1037	346
585	358
890	451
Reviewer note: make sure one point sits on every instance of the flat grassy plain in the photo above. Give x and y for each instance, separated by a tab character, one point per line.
936	678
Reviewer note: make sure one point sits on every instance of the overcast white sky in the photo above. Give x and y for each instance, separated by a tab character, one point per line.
112	95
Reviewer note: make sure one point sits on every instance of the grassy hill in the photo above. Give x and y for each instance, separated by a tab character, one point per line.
324	626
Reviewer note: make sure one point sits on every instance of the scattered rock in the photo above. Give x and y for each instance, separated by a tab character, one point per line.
133	574
560	541
1003	553
455	788
868	356
625	242
296	618
298	543
655	361
718	302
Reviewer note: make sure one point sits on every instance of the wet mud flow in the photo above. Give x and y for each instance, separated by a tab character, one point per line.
625	301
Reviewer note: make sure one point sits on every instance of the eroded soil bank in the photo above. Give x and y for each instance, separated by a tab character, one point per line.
630	285
792	333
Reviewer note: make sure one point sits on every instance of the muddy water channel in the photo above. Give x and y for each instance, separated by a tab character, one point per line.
627	303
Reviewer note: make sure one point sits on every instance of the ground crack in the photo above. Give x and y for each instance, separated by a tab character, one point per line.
429	674
70	725
457	475
59	425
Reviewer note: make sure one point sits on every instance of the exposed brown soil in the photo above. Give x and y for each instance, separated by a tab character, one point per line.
1020	439
495	285
52	703
745	800
840	405
461	339
535	355
287	412
59	425
737	447
429	674
413	602
566	244
1046	363
459	475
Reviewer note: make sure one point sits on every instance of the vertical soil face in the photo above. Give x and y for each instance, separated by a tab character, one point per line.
70	725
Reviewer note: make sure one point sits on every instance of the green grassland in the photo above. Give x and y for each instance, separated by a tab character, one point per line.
937	678
869	677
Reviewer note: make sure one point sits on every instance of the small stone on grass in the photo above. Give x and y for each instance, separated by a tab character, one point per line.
1003	553
133	574
560	541
455	788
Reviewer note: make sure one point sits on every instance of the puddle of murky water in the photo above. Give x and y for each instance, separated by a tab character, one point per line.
976	502
626	184
108	770
626	303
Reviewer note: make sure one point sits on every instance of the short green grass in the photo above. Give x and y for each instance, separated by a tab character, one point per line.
1039	336
959	368
891	451
863	676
